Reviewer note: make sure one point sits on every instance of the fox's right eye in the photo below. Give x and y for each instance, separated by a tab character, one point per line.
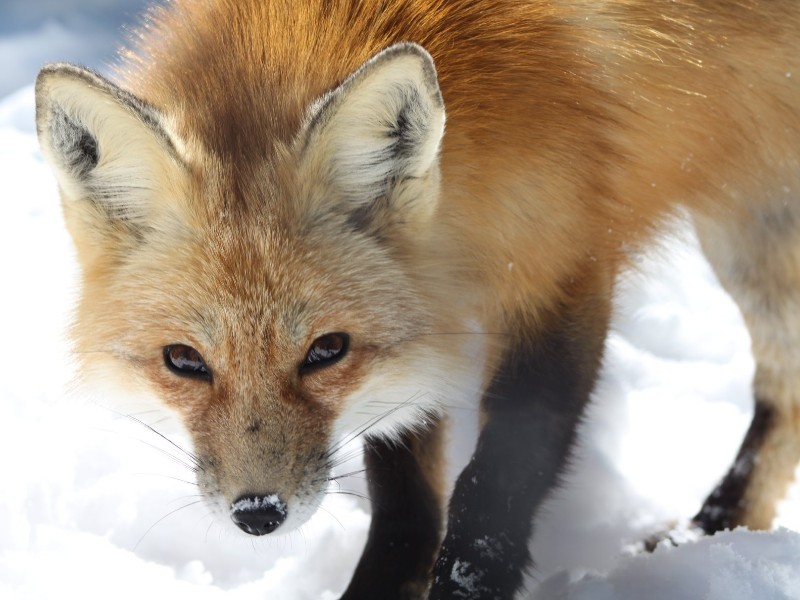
186	361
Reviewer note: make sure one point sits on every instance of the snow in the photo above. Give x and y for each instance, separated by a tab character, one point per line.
91	501
466	577
247	504
730	565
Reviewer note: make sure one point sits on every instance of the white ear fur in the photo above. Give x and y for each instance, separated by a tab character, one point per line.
103	144
383	125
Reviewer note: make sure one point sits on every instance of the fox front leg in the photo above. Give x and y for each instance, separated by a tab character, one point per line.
533	407
407	511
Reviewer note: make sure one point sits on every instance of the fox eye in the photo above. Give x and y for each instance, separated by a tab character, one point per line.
326	350
185	361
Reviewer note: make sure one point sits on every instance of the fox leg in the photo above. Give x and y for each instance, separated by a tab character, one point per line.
407	513
757	259
532	409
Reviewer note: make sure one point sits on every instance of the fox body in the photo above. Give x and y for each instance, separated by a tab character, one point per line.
302	222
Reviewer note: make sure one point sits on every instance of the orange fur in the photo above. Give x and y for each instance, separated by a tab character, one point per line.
584	122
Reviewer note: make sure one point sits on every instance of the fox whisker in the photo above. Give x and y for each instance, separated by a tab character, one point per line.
169	514
372	422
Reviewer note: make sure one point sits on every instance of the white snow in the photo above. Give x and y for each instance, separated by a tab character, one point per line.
731	565
94	503
465	576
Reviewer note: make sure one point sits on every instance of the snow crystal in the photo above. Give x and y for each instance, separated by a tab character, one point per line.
258	502
465	576
488	547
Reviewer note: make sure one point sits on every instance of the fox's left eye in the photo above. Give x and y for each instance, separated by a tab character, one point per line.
185	361
326	350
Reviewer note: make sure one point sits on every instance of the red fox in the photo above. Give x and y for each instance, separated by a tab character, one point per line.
312	220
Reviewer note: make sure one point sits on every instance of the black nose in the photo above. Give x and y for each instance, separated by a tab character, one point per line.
258	515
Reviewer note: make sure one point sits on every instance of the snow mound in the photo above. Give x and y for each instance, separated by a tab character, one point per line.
733	565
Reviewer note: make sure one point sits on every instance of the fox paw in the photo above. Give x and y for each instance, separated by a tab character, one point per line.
674	535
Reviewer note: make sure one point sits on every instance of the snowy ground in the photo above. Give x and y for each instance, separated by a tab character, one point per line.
92	503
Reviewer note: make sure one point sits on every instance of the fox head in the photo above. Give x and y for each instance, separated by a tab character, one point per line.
276	308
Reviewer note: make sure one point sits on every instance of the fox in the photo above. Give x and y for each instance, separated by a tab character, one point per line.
309	222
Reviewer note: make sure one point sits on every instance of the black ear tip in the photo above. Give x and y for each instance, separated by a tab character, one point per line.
41	78
44	77
47	70
46	80
50	70
410	49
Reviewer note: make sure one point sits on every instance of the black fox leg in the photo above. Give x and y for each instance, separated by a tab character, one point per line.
533	408
756	255
764	467
407	517
725	507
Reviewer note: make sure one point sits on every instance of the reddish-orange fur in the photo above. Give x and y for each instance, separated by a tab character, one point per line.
584	122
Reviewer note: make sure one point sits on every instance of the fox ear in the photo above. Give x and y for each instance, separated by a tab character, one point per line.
108	149
379	130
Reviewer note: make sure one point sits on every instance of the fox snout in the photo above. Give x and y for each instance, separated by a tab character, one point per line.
268	478
260	500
